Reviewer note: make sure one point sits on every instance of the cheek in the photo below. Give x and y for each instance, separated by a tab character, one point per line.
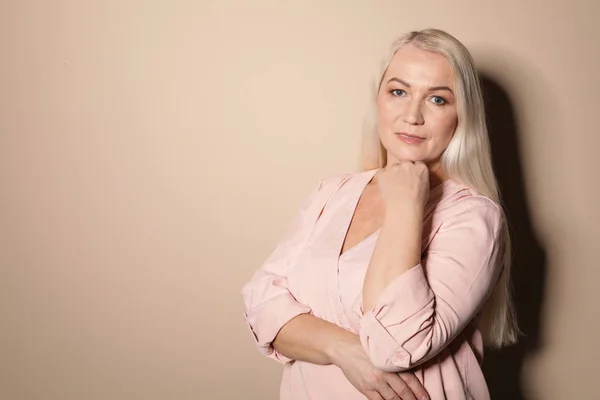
386	112
445	127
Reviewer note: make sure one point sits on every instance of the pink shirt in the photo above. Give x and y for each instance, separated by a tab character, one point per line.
423	320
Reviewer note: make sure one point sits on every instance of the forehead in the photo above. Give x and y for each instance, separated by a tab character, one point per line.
418	66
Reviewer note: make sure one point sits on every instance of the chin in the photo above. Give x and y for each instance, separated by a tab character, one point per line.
406	156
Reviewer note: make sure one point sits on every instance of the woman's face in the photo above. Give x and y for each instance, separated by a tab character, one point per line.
416	107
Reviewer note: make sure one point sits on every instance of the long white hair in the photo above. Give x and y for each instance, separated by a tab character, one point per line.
467	160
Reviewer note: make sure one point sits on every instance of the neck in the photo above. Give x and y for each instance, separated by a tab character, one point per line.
436	176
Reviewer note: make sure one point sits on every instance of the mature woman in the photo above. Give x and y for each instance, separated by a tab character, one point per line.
390	281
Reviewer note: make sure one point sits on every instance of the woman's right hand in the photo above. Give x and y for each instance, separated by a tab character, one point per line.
374	383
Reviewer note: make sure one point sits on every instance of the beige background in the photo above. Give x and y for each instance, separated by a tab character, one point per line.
152	152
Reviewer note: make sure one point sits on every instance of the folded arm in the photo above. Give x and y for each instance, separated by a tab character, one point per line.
312	339
422	309
283	328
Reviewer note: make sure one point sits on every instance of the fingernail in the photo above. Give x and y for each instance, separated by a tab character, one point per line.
425	398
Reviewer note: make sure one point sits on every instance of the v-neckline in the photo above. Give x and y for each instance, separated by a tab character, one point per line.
368	177
359	244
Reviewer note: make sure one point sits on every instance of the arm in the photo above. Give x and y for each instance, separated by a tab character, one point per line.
269	305
389	260
314	340
283	328
311	339
424	307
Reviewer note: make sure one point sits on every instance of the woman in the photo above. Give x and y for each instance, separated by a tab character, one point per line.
390	281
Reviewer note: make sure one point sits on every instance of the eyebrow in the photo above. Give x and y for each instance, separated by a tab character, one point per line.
433	88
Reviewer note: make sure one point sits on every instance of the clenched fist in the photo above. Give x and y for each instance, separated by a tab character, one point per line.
404	187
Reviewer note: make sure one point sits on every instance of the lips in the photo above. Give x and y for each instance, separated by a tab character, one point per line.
410	139
405	134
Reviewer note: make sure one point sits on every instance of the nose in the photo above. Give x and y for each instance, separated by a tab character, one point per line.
412	113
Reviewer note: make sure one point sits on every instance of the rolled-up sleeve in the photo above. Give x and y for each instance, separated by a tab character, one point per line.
422	310
269	305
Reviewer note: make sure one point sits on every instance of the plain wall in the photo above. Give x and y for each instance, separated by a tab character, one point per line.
152	153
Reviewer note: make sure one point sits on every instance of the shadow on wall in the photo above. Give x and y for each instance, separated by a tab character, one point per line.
503	368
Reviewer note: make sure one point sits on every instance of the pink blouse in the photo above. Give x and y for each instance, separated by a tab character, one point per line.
423	321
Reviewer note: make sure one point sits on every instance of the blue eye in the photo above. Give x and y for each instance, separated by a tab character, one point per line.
397	92
440	101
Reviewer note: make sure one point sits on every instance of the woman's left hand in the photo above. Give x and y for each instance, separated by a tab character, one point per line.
404	187
375	384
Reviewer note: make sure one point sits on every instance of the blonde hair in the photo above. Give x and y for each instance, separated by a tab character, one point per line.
467	159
